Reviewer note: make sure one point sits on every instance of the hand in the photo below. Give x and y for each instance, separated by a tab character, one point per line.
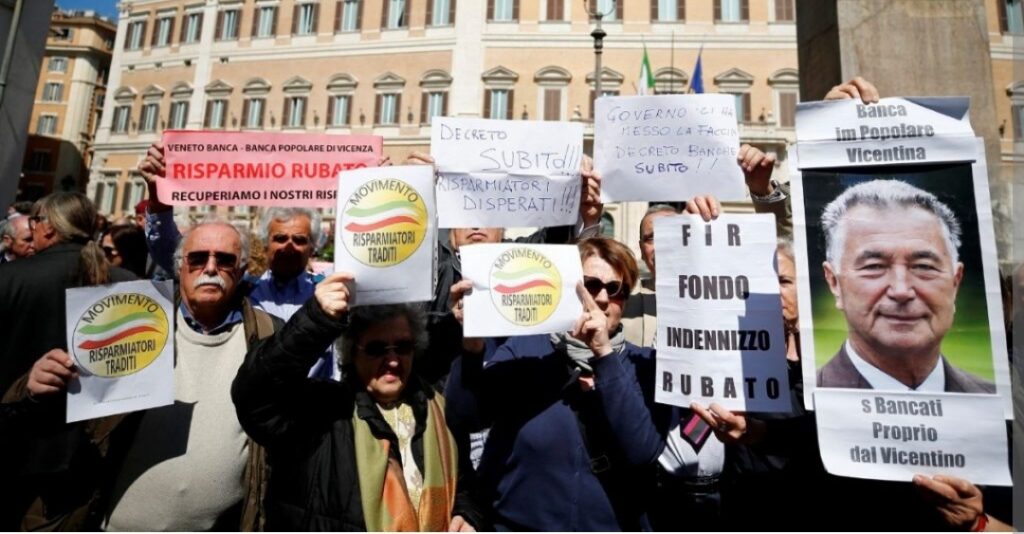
419	158
857	88
705	206
592	326
591	206
51	373
730	428
757	169
384	161
459	524
152	170
459	290
958	501
333	294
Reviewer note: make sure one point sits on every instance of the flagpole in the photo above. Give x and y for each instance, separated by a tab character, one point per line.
672	65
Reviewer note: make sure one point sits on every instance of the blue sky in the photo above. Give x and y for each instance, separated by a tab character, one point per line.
103	7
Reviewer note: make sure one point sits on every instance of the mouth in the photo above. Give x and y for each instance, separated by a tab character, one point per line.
901	317
390	375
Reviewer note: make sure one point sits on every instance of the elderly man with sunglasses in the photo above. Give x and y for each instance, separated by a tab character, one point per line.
184	467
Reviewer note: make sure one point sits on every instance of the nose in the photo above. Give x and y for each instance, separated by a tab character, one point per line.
900	287
211	265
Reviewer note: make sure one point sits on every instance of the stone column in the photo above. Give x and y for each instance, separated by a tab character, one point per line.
910	48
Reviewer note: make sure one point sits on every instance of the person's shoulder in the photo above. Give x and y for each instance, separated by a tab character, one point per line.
118	274
838	372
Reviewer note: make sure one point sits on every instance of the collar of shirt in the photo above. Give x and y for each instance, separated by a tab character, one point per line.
234	317
935	383
282	299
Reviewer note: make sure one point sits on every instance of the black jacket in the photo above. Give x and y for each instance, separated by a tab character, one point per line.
306	426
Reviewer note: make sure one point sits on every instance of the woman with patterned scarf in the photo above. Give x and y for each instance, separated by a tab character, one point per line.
372	452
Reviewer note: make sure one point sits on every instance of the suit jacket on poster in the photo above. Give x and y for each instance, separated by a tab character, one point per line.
839	372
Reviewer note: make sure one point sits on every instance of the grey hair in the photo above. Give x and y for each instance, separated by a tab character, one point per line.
656	208
243	238
884	194
784	246
7	227
361	318
286	214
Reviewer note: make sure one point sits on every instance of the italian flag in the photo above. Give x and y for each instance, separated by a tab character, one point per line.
645	85
100	335
522	280
382	216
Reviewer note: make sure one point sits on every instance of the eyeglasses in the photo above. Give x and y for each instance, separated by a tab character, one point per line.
379	349
299	239
199	259
595	285
109	252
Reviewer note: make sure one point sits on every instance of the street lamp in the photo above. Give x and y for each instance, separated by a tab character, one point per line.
598	34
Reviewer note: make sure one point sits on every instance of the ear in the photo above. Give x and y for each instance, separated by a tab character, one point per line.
833	284
958	275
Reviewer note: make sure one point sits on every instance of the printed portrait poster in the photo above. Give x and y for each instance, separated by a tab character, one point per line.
506	173
520	289
260	168
386	233
667	147
121	339
902	340
720	334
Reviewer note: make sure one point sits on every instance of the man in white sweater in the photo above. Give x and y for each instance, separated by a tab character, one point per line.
187	466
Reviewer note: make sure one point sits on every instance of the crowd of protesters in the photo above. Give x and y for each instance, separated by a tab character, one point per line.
295	411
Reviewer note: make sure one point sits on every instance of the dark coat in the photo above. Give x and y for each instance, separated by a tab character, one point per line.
839	372
306	426
539	466
31	324
445	331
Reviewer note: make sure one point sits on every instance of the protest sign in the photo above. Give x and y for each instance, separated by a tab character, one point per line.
720	336
521	289
260	169
669	147
386	233
894	436
121	338
893	131
500	173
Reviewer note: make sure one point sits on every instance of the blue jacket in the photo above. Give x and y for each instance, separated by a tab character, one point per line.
536	471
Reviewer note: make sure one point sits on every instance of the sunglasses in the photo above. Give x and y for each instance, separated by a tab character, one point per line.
199	258
379	349
299	239
36	219
109	252
595	285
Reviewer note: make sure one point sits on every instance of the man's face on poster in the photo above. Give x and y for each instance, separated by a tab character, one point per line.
896	281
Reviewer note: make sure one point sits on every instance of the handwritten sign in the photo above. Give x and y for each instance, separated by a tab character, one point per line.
121	338
893	436
894	131
386	233
669	147
260	169
520	289
720	335
497	173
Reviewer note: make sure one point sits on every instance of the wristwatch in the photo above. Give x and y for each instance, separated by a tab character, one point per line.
776	195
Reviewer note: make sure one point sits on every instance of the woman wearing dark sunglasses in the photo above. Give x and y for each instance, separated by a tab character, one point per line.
572	443
372	452
124	245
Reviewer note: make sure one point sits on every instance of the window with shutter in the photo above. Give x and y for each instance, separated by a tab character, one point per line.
552	104
784	11
556	10
787	109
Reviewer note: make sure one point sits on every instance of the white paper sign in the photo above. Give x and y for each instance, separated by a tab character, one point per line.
720	335
894	131
386	235
893	436
669	147
121	338
521	289
501	173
